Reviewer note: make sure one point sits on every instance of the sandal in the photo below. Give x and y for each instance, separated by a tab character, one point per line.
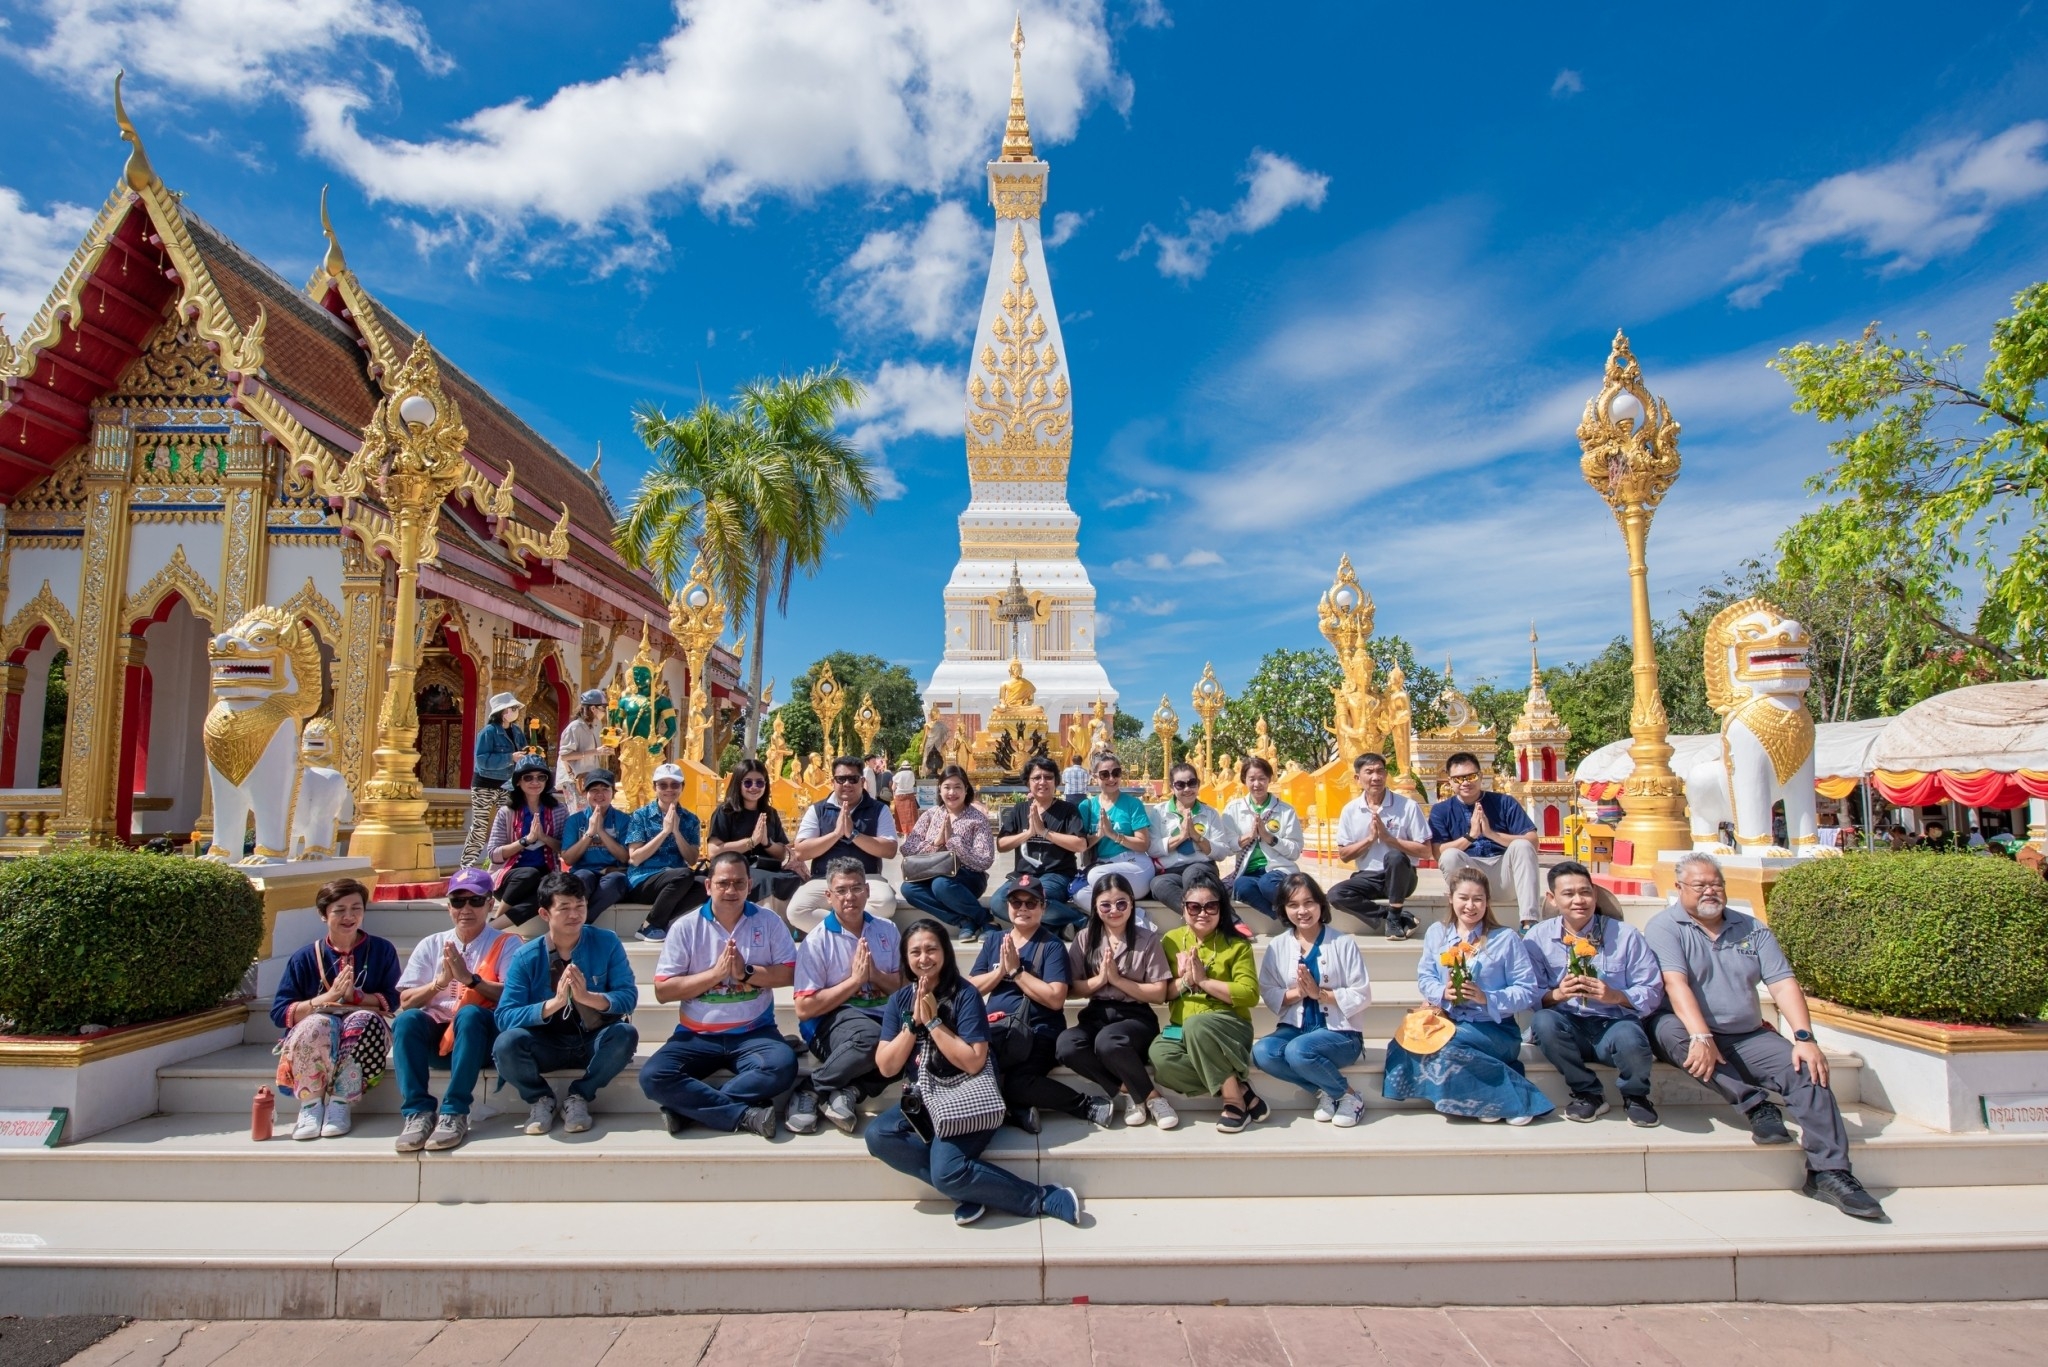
1232	1120
1256	1108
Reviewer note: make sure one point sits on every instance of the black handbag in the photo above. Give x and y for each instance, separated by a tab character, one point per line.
960	1104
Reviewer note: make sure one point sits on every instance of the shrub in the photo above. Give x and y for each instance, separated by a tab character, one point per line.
1948	937
118	938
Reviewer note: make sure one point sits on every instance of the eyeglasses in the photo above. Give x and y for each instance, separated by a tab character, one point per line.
466	899
1716	886
1180	783
1118	905
1200	908
753	783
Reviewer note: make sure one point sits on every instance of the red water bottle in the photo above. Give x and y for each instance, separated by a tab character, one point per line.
263	1114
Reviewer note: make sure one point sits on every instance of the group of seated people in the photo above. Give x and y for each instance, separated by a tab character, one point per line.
877	1000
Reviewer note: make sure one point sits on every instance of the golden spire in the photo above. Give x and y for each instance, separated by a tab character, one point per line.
139	174
1017	135
334	265
1535	670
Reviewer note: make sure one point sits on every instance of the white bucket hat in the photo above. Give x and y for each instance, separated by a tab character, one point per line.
501	701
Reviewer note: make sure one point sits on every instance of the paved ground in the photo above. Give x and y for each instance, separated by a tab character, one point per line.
1125	1336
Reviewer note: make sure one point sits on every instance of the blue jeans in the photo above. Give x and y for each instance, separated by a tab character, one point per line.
1258	891
953	1167
762	1068
602	890
1059	912
955	899
1313	1060
523	1055
1572	1041
416	1049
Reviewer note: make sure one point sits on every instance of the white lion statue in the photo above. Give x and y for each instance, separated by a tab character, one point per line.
324	800
1757	675
266	681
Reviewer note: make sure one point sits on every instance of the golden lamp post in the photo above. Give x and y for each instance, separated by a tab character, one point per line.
1630	457
827	698
866	722
695	620
1165	725
1209	701
412	456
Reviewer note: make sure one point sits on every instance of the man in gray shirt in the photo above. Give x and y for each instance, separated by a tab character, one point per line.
1712	1026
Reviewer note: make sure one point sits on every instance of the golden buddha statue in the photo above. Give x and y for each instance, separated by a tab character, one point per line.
1016	731
1018	694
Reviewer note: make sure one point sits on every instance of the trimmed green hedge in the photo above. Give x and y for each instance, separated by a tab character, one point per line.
1946	937
120	938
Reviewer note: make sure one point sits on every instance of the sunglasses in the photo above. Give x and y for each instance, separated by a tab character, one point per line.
1118	905
1181	783
1109	773
846	778
1200	908
1463	778
466	899
753	783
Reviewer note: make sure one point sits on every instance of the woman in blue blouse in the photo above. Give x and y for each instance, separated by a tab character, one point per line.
498	743
334	1004
1478	1072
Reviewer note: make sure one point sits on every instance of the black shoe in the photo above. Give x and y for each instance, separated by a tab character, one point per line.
1641	1113
676	1121
1585	1109
1399	923
1255	1107
1024	1118
1767	1125
1840	1189
759	1120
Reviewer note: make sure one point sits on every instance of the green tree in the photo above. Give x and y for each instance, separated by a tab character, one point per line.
757	490
1291	689
1936	481
892	687
56	707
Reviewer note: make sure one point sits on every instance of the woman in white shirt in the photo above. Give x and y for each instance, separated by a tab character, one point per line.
1269	842
1315	981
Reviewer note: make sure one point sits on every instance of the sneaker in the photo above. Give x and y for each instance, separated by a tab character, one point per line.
336	1122
575	1114
759	1120
1641	1113
540	1116
449	1132
308	1124
803	1112
1326	1109
1767	1125
1135	1113
1585	1108
1527	1119
1489	1120
1255	1108
1025	1118
1061	1203
676	1121
1840	1189
1350	1110
1232	1121
413	1137
1163	1114
1099	1111
842	1108
652	934
967	1212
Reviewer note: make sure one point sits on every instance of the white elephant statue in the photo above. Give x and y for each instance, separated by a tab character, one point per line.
324	799
266	681
1756	675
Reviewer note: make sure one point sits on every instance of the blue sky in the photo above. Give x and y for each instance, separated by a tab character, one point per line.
1333	278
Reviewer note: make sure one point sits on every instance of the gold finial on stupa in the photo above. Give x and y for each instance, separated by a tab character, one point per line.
1017	134
1535	670
334	263
139	174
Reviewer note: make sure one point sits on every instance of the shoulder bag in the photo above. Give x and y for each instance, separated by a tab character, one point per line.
964	1103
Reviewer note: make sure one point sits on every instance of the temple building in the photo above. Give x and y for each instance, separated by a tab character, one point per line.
1020	439
1542	781
174	425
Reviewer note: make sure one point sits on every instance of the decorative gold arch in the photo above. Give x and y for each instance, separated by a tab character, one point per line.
312	605
177	576
45	609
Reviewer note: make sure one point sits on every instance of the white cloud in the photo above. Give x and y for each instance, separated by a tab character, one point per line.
909	399
744	98
1134	497
34	249
916	282
1159	562
1273	185
1933	203
1568	84
222	49
1150	607
1064	225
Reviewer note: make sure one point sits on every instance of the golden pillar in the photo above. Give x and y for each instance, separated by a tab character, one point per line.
827	699
1208	701
694	620
92	730
867	723
1630	458
362	633
412	456
1165	725
244	562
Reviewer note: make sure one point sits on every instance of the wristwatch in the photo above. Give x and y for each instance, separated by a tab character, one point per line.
1803	1036
473	981
748	976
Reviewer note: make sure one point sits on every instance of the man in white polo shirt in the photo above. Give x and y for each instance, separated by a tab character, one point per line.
845	971
722	964
1384	833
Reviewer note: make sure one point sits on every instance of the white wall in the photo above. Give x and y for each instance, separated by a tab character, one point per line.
28	747
179	688
29	566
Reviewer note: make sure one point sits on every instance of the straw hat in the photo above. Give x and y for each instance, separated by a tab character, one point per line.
1425	1030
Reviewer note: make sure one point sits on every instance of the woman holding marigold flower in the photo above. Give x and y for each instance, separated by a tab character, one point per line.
1480	975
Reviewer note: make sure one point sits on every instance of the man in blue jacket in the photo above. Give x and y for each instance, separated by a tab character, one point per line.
568	1003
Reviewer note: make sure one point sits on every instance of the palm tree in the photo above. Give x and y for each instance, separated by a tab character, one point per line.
757	490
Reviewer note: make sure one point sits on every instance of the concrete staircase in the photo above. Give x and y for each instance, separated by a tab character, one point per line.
181	1215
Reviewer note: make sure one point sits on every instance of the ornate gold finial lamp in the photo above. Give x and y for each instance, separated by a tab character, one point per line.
695	620
1630	457
1209	700
1165	725
412	456
867	722
827	700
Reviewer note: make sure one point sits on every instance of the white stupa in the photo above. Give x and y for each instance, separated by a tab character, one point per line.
1020	437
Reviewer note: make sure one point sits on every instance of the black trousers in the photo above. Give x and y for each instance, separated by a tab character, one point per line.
520	892
1361	893
1023	1058
844	1044
1109	1044
672	892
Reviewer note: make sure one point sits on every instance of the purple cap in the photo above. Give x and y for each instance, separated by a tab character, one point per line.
470	880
